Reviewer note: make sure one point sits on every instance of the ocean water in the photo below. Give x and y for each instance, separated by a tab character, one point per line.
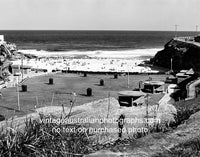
88	41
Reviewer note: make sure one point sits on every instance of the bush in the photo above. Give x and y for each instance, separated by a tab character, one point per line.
38	139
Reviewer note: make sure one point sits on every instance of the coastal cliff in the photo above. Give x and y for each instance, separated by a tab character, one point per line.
184	54
7	52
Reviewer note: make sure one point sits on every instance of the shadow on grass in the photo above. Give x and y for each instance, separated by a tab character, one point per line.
85	95
11	109
83	76
49	84
97	84
112	78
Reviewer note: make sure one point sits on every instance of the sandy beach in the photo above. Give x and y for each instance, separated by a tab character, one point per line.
92	61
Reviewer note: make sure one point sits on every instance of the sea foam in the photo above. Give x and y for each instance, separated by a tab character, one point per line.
98	53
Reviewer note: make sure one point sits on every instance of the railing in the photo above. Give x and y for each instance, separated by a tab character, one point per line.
188	39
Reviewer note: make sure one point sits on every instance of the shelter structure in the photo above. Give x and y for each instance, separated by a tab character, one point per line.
197	38
153	86
21	69
193	89
184	74
171	80
127	98
1	38
187	83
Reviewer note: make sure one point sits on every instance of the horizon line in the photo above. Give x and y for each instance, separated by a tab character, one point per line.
122	30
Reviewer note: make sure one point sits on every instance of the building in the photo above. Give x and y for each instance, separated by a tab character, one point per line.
172	88
171	80
186	83
193	88
153	86
197	38
184	74
127	98
20	69
1	38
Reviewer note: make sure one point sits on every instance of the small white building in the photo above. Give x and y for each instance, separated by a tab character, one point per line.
1	38
127	98
172	88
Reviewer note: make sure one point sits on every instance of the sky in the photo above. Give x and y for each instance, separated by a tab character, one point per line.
100	15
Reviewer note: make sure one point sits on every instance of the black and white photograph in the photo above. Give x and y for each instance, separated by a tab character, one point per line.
100	78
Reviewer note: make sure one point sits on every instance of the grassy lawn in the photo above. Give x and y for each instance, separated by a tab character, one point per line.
40	93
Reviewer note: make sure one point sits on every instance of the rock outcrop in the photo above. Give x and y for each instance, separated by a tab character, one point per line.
184	55
6	54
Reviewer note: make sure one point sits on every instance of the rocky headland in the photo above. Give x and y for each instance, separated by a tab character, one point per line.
183	53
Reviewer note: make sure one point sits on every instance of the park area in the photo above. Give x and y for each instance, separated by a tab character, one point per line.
65	88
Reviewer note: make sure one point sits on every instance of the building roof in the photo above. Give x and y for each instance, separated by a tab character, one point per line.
173	86
187	80
190	72
181	75
131	93
21	67
160	83
185	73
